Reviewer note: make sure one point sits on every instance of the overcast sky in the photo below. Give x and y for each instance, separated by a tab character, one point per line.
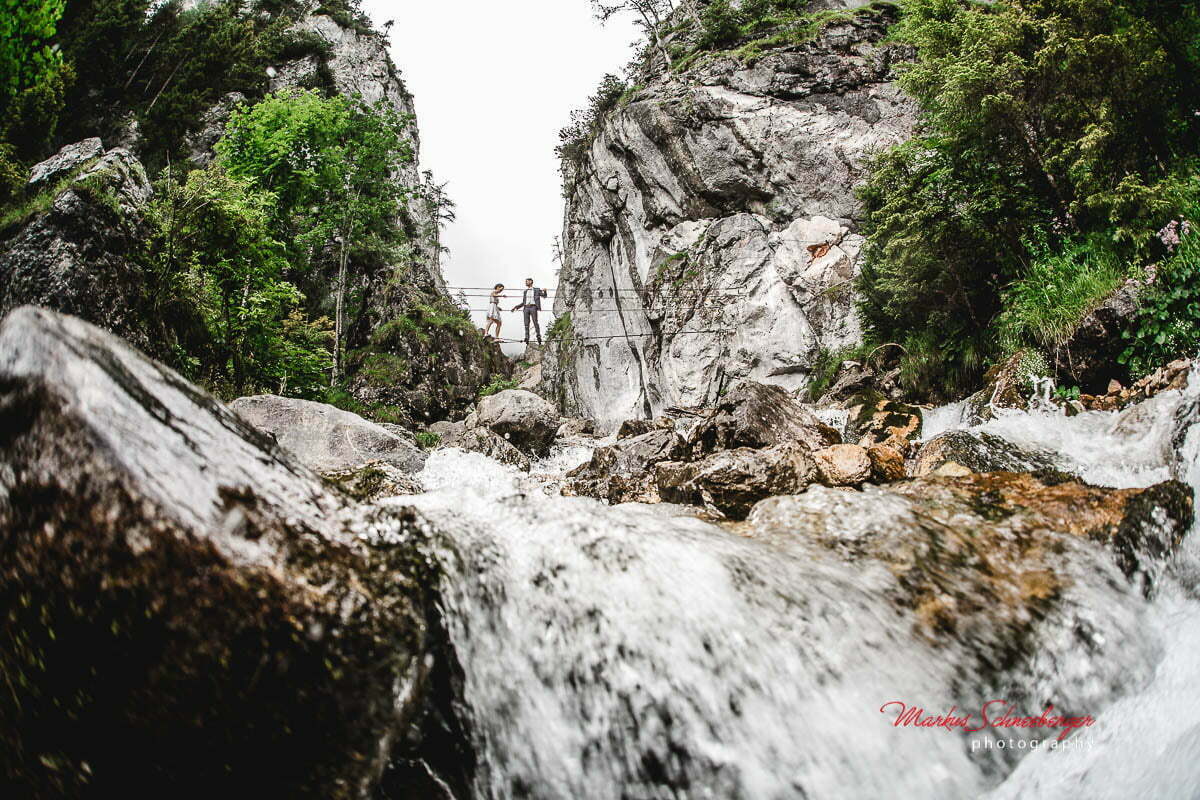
494	81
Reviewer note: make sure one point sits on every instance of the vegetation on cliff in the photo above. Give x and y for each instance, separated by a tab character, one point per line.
1058	138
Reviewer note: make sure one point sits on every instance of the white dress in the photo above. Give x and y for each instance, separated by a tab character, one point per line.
494	311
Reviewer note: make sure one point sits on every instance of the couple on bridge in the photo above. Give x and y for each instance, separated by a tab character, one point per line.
531	303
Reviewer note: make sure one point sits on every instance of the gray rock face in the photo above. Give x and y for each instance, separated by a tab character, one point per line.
64	162
327	439
524	419
76	257
155	540
710	232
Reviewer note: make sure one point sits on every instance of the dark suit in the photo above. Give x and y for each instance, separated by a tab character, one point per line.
531	303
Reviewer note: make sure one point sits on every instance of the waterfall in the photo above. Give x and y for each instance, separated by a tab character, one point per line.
639	651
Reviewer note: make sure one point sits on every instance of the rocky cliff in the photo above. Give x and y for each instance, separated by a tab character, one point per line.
81	243
710	227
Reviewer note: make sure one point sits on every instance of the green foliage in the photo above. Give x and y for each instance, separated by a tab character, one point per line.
427	440
561	330
497	385
214	249
33	77
1051	121
1167	325
577	136
1067	393
1057	291
825	367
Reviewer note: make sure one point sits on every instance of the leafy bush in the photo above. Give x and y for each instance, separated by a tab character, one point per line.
825	367
1167	325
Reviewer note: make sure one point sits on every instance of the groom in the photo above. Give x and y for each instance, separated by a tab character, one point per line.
531	301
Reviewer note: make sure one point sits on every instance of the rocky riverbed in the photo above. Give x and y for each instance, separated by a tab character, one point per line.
191	604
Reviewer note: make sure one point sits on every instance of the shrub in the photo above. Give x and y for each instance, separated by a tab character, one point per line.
498	385
427	440
1167	324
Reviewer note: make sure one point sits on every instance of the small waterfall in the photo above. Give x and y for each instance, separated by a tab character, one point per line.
638	651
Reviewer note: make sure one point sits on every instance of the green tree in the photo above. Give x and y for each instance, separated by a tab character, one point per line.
215	247
32	81
332	165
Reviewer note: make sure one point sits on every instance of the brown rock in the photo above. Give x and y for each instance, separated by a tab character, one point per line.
732	481
978	452
843	465
874	419
887	464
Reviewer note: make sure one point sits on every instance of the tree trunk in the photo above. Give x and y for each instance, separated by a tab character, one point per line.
339	307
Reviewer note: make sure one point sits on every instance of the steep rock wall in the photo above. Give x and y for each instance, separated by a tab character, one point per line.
710	230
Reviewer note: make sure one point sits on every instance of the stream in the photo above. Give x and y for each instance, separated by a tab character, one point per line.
639	651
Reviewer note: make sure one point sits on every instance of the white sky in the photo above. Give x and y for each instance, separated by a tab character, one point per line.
494	82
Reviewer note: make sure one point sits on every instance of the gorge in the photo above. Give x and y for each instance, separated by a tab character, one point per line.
277	518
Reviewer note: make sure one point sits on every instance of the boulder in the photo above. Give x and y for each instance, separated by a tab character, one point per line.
524	419
758	415
636	427
887	464
1087	358
978	452
624	472
874	419
375	480
730	482
81	255
978	557
446	429
575	427
489	443
66	161
327	439
843	465
188	612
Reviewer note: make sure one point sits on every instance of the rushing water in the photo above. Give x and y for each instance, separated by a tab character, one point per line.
640	652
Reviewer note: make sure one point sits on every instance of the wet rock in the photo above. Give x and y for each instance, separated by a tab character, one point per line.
843	465
1153	527
758	415
887	464
64	162
187	611
325	438
624	472
80	255
730	482
576	427
1087	358
874	419
521	417
999	567
374	481
489	443
636	427
979	452
447	429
